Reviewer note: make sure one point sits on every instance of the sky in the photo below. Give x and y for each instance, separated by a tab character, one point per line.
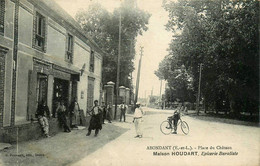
155	40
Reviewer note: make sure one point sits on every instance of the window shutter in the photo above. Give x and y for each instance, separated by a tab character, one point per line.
34	29
2	15
44	34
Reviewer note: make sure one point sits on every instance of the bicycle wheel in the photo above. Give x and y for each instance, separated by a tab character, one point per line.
185	127
165	127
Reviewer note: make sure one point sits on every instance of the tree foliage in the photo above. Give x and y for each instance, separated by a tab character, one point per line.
223	36
103	27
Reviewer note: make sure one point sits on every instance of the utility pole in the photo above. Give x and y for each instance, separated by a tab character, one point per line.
160	89
118	64
160	94
198	97
138	76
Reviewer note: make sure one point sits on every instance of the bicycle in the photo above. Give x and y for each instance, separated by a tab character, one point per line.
167	126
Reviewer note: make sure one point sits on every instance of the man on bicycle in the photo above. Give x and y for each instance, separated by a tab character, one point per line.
175	118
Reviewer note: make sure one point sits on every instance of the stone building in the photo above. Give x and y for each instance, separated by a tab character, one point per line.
44	55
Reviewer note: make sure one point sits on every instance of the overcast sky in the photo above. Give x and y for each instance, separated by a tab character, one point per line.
155	41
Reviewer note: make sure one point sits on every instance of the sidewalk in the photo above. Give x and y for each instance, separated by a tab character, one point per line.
62	148
4	146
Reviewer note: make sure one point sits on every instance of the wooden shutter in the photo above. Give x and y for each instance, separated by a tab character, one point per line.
90	95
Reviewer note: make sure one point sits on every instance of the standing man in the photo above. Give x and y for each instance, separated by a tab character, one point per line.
95	122
61	110
109	112
123	108
74	114
104	112
138	120
42	113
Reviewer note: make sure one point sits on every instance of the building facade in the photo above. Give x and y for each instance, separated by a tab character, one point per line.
44	55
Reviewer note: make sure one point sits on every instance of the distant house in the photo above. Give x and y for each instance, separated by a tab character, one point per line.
44	55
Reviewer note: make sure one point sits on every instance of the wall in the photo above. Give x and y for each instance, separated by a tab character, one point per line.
82	92
23	67
7	41
56	43
9	19
24	64
81	58
98	66
98	80
56	31
2	84
8	89
25	28
81	55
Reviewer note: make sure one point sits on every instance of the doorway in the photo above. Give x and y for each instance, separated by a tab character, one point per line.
60	93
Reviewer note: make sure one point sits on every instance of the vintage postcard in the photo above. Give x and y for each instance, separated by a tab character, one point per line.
129	83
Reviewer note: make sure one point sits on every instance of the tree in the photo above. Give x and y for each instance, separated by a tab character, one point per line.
223	35
102	26
179	80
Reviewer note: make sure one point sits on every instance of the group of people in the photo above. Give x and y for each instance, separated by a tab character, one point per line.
43	114
98	115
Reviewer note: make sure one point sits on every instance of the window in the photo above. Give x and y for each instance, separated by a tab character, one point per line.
69	52
92	62
2	16
39	32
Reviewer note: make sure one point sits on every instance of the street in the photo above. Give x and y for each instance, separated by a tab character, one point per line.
117	146
127	150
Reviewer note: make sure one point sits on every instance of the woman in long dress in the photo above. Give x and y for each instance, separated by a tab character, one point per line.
74	114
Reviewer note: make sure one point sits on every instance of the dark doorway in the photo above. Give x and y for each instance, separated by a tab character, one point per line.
60	93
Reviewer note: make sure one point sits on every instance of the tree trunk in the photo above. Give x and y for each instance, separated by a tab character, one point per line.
232	104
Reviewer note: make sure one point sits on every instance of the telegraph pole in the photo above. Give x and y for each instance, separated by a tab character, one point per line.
118	64
138	77
198	97
160	93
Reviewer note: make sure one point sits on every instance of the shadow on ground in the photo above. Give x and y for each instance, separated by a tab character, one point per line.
61	149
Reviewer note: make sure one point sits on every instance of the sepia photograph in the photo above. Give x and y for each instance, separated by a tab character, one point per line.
129	82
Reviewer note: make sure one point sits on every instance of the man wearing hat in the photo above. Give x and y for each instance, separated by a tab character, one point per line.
138	120
123	107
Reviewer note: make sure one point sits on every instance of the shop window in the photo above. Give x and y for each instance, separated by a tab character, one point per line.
2	16
92	62
39	32
69	52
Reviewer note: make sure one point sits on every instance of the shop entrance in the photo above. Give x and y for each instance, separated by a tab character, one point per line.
60	93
